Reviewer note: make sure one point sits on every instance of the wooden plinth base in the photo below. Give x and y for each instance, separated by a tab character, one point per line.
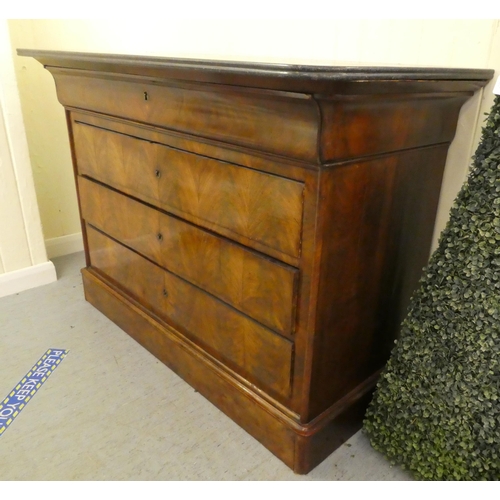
301	447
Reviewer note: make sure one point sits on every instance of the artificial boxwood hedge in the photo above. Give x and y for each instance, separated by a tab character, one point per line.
436	409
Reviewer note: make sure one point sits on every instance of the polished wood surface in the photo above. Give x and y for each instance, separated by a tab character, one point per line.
244	345
276	122
300	446
258	286
374	125
260	228
260	418
258	206
378	211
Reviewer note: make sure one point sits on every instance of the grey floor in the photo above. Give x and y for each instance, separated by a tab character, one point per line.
111	411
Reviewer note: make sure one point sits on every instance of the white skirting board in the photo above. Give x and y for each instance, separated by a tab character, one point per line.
64	245
29	277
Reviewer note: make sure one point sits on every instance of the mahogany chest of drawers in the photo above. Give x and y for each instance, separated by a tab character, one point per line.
260	228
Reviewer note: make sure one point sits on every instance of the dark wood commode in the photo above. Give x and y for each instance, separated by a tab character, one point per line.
260	228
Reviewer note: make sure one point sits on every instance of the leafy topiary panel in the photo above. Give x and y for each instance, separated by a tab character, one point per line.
436	409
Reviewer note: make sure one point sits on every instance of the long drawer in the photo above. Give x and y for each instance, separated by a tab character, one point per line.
252	283
258	354
286	123
260	208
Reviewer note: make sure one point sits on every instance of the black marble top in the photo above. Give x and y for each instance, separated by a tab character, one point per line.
293	77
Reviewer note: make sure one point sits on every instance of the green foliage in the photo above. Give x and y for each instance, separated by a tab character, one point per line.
436	409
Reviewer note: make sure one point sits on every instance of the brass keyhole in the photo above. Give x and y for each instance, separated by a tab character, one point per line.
146	96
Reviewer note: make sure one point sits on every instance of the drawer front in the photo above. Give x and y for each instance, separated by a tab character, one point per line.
283	123
248	281
247	347
229	199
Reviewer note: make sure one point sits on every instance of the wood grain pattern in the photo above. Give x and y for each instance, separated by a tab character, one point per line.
379	124
290	169
338	174
261	207
276	122
376	240
257	416
249	348
299	446
256	285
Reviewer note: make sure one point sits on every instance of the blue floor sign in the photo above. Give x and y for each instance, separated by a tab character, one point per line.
19	397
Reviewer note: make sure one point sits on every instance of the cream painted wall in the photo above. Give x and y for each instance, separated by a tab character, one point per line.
468	135
23	260
448	43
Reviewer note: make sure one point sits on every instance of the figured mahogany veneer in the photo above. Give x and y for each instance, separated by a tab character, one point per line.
258	286
264	208
271	121
262	356
260	228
